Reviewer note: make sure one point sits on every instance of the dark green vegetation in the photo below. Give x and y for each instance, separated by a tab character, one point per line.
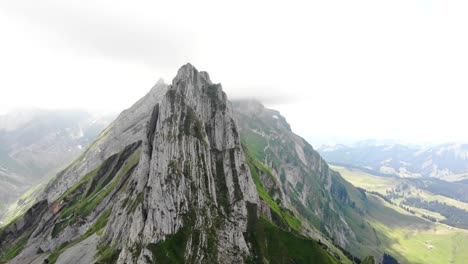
169	251
274	245
454	216
100	223
15	249
281	216
456	190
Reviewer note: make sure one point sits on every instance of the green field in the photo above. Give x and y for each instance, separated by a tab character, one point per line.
381	184
408	237
418	240
365	180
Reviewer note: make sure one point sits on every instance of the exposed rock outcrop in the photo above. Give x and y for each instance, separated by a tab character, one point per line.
195	180
129	127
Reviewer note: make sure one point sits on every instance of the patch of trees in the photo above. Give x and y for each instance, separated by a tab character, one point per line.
385	198
455	190
393	194
407	209
454	216
363	192
430	218
399	191
348	254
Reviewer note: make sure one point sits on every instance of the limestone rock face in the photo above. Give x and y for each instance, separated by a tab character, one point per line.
194	177
129	127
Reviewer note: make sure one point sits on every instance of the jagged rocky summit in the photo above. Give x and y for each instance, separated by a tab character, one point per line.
167	182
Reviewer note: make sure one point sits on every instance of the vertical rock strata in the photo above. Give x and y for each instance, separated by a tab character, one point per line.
194	177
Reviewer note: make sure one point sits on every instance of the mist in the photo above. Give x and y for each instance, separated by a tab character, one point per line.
338	71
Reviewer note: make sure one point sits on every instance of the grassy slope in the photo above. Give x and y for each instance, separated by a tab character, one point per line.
404	235
269	142
365	180
81	200
84	203
23	204
283	215
381	184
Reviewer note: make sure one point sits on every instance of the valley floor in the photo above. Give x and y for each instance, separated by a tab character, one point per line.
409	237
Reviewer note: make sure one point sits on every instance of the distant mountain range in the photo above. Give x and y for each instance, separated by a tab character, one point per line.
447	161
35	144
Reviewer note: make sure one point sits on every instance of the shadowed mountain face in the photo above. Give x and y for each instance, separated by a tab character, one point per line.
447	161
35	144
168	182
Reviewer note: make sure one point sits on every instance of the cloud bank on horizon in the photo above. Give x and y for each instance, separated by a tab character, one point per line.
335	69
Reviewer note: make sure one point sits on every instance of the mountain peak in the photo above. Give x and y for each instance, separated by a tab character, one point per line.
186	68
189	73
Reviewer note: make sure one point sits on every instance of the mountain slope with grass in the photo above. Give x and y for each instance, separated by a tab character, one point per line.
297	178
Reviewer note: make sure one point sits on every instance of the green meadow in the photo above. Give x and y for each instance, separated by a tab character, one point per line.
406	236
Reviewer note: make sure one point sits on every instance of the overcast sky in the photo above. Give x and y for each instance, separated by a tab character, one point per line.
338	70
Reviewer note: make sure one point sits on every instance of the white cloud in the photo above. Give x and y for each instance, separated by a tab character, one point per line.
355	69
